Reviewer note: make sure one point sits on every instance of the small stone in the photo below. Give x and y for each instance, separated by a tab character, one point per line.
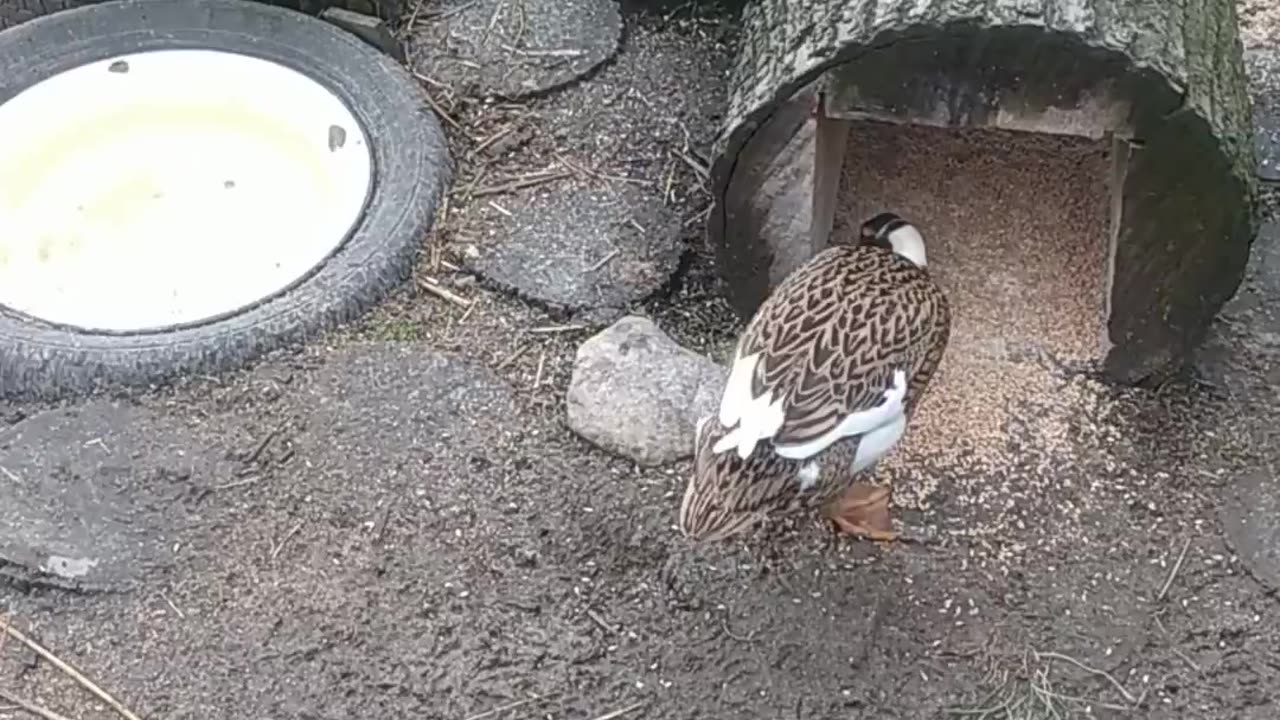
636	393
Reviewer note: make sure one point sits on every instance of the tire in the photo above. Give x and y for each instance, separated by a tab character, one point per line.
411	164
13	12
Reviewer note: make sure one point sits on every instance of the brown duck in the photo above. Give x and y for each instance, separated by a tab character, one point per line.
824	381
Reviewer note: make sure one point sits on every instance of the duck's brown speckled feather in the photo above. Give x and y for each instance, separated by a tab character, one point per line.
834	332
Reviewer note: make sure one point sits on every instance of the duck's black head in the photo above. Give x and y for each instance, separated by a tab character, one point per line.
876	230
891	232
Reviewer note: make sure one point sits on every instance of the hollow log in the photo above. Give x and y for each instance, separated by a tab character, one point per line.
1163	82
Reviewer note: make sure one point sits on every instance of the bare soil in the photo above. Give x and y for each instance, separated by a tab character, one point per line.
424	537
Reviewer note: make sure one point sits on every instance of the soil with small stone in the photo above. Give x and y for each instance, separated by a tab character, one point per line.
397	521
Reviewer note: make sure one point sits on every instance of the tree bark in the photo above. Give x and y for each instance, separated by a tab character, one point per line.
1189	196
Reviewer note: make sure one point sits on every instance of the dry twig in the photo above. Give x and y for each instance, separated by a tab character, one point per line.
622	711
1128	697
451	11
441	292
444	114
509	706
542	362
236	483
502	132
493	21
512	357
519	183
555	329
1173	572
599	620
292	531
698	168
31	707
603	261
68	670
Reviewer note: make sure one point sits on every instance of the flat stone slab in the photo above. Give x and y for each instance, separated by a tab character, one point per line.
1239	356
577	246
514	48
1267	136
1259	24
70	514
384	399
1264	72
1251	517
96	498
1232	356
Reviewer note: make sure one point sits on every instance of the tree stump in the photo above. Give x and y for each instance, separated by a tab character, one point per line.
1160	85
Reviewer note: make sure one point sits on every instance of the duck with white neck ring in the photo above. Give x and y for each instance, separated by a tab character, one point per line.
824	381
891	232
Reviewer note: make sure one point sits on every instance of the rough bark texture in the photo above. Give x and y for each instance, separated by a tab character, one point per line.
13	12
1188	216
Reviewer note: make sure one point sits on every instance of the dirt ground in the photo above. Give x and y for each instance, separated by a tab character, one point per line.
397	522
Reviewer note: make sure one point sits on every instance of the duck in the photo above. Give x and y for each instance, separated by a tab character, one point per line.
823	384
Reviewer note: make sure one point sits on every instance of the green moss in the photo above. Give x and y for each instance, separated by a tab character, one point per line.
393	330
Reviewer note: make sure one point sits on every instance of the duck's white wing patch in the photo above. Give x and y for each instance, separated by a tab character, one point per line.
861	422
737	389
759	420
756	417
753	418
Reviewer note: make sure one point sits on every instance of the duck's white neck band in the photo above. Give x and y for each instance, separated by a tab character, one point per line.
909	243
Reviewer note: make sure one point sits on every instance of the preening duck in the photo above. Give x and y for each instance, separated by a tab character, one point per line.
823	384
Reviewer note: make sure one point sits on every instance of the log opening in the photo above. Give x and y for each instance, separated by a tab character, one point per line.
1157	97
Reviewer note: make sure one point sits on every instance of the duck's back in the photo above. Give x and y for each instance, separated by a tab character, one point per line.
832	334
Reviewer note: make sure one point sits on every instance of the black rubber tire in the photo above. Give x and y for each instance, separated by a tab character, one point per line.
13	12
412	170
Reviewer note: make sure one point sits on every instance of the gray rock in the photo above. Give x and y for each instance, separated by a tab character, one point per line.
582	246
636	393
514	49
72	512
